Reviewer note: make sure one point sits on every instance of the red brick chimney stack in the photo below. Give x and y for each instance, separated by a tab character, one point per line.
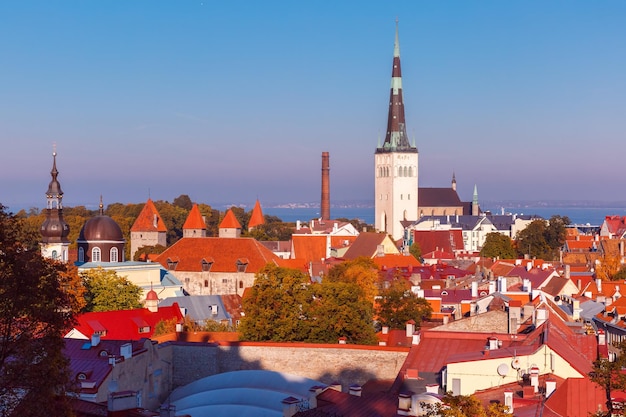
325	205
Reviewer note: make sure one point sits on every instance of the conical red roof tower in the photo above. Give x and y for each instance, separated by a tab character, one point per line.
256	218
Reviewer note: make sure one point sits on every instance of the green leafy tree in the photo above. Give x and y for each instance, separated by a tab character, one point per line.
274	307
556	230
337	310
174	217
398	304
498	245
620	275
416	250
532	242
283	306
35	310
609	375
106	291
183	201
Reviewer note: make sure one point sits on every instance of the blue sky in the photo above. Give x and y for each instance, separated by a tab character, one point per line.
236	100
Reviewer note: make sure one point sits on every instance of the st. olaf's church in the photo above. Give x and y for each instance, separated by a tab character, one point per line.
398	198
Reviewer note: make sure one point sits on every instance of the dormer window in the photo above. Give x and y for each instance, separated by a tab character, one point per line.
242	264
81	376
207	263
103	353
172	263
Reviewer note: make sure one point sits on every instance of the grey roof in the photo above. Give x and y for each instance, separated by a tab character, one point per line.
462	222
199	307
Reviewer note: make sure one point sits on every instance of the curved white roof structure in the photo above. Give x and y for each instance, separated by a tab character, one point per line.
254	392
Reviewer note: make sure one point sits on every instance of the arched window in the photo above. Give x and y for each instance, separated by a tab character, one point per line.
95	255
240	284
410	171
113	255
81	255
54	254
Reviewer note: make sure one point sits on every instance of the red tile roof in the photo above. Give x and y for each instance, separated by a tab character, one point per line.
309	247
125	324
145	221
194	219
223	252
396	261
230	221
439	240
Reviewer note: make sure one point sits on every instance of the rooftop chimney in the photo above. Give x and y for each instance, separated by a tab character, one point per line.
325	204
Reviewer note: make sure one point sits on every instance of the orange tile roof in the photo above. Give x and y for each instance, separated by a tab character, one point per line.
224	253
366	244
256	218
309	247
341	241
194	219
145	220
230	221
396	261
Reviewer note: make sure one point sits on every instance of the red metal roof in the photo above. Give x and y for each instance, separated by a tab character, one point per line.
125	324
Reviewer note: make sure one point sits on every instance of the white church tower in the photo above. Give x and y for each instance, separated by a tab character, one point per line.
395	184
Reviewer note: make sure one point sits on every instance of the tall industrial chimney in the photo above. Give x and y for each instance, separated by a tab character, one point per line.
325	205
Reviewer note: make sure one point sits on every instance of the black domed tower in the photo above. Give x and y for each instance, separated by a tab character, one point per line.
55	230
101	240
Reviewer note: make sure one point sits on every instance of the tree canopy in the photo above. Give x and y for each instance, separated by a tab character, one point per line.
465	406
282	305
499	246
361	271
609	374
38	304
398	304
416	250
543	238
107	291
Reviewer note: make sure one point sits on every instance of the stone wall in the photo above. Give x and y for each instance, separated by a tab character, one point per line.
346	364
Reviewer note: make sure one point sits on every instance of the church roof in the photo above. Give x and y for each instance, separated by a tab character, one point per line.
230	221
194	219
438	197
256	218
149	220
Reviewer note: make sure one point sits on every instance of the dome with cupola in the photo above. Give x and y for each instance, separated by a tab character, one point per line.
101	240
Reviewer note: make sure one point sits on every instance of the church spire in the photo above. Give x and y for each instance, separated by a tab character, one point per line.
54	230
396	138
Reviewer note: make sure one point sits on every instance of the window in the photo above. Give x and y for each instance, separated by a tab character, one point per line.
224	280
242	264
206	283
104	354
145	329
81	255
54	254
114	255
207	264
172	263
240	284
95	255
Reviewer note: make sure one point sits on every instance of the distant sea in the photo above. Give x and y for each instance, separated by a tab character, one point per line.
593	216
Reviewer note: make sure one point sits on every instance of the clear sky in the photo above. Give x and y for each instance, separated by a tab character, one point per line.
229	101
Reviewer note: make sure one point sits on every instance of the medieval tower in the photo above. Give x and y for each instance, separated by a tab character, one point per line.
395	184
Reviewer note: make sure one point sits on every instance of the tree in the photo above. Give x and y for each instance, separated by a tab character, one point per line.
620	275
338	310
416	250
531	241
273	308
361	271
283	306
398	304
555	233
35	310
183	201
499	246
106	291
465	406
609	375
144	251
608	267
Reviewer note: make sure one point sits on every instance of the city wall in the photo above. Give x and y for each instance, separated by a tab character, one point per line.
346	364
